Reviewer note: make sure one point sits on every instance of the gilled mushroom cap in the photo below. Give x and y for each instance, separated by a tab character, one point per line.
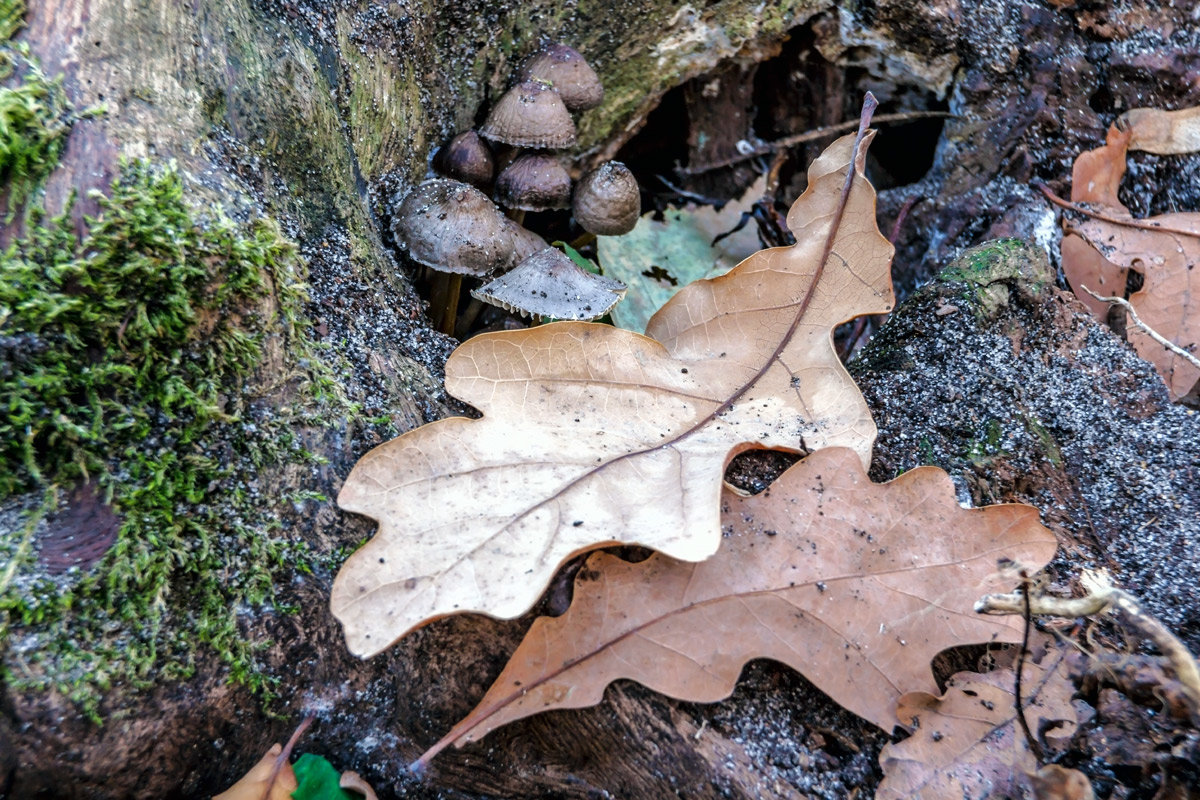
530	114
466	157
534	182
548	284
525	241
607	201
453	227
570	75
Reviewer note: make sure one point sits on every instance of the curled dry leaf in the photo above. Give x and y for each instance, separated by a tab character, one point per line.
968	743
1053	782
353	782
836	576
592	435
257	783
1163	132
1098	253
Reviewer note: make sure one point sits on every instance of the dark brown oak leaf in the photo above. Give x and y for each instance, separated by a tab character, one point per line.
856	584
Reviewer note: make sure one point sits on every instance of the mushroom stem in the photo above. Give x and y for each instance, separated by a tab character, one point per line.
517	215
467	319
583	240
443	298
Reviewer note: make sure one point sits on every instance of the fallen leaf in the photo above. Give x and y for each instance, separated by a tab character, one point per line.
827	572
1084	266
593	435
659	257
253	785
1163	132
968	742
1098	254
1053	782
352	781
1095	179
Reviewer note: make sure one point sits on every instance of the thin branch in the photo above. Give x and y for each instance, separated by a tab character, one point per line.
1153	334
1127	222
807	136
1034	746
900	217
285	754
1103	596
699	198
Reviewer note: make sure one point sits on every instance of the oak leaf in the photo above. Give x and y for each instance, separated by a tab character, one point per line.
1099	252
857	585
593	435
968	742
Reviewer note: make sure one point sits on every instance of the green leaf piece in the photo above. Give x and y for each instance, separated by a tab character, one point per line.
582	261
657	259
318	780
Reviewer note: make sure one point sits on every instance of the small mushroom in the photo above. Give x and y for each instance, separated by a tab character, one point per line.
450	226
525	241
455	230
530	114
534	182
548	284
607	200
467	158
570	75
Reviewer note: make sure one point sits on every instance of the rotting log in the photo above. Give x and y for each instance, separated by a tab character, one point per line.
316	115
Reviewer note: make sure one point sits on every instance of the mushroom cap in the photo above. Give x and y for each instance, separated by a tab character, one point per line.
467	158
567	71
534	182
530	114
549	284
525	241
607	200
451	226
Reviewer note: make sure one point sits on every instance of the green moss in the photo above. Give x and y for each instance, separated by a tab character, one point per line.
990	270
125	359
1046	439
928	458
985	448
34	121
12	18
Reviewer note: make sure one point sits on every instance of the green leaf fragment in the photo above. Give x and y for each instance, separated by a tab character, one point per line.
657	259
318	780
580	260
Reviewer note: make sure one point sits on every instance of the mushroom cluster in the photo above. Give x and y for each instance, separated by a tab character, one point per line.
451	226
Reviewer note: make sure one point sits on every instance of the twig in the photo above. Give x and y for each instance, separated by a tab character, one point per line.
1100	215
900	217
807	136
286	753
699	198
1034	746
1103	596
1153	334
